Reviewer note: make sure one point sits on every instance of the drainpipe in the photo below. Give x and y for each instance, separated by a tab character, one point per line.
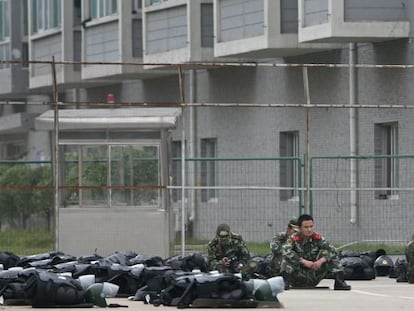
192	146
353	131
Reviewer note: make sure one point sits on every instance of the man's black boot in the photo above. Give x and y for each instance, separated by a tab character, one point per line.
340	283
402	275
285	277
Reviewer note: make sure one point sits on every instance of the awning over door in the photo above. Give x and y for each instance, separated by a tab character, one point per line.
116	118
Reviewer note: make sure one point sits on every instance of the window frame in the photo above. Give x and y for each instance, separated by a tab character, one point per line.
289	145
176	170
387	164
5	53
102	8
208	169
46	15
4	20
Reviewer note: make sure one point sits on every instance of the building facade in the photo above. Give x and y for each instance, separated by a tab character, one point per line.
158	32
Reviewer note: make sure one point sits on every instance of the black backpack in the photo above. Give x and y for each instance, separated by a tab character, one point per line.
48	289
184	289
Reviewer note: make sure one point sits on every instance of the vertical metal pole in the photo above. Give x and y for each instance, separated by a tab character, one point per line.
183	181
192	144
307	153
353	132
56	153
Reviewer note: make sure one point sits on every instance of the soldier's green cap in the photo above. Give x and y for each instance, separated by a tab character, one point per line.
223	230
293	224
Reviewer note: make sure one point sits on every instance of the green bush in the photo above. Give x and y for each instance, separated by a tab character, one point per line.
19	198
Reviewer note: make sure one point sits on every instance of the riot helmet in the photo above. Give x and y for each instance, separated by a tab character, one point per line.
383	265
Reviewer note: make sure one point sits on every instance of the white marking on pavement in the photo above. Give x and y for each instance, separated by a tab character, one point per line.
381	295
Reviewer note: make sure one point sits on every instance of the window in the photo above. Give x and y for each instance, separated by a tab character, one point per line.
151	2
386	167
25	53
13	150
136	5
77	12
111	175
176	170
4	20
137	41
289	147
4	54
207	25
208	168
25	22
102	8
46	14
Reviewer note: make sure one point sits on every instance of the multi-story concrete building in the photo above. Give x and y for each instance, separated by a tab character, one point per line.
259	31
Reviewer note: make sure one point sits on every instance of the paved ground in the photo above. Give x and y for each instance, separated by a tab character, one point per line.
380	294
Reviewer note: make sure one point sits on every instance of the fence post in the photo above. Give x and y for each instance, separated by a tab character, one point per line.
307	154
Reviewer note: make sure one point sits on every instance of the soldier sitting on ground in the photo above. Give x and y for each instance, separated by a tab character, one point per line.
227	252
409	254
308	258
276	246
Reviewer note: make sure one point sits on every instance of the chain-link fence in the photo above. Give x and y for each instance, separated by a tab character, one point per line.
256	198
381	211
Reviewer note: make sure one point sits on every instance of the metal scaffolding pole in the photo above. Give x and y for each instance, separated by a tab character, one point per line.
183	170
307	153
56	152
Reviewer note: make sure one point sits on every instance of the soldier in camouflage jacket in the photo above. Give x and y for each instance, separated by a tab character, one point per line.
409	254
276	246
308	258
227	252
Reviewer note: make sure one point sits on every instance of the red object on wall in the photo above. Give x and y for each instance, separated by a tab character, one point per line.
110	98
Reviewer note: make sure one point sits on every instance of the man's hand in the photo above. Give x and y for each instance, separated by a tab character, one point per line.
306	263
225	261
314	265
317	264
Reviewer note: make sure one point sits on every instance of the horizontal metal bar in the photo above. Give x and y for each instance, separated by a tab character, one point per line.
233	188
213	64
314	105
209	105
364	157
369	241
285	188
239	159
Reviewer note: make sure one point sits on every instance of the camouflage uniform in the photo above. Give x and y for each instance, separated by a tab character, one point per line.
313	248
409	254
235	249
276	248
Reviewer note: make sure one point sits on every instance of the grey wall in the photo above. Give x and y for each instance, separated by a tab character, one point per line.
84	230
241	19
254	132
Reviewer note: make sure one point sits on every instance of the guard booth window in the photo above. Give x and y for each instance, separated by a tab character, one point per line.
386	166
111	175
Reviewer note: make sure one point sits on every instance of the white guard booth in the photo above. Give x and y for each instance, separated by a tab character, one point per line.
113	168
